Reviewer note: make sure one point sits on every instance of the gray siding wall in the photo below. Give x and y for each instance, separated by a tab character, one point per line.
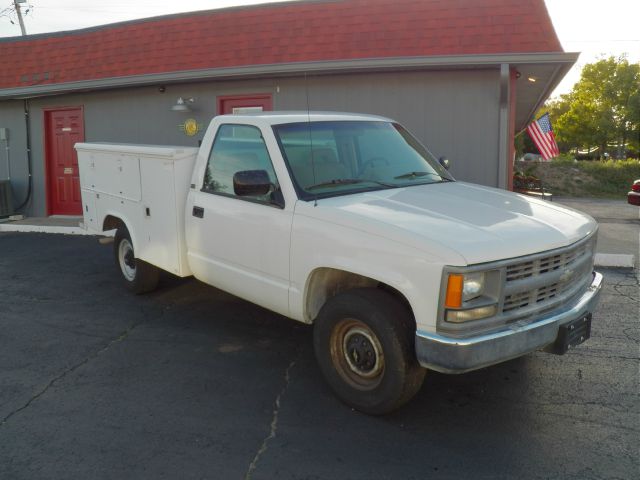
12	118
455	113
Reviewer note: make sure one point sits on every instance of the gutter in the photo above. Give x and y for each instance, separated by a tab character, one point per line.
564	61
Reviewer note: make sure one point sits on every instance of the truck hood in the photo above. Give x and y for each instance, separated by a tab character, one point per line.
457	221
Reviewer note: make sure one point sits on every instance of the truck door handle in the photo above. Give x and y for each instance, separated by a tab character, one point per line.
198	212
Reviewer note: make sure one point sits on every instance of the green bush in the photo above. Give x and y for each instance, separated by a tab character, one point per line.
564	159
612	176
566	177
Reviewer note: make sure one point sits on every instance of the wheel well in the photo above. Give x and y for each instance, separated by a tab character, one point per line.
111	223
326	283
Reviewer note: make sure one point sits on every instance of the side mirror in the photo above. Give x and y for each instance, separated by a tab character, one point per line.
251	183
444	162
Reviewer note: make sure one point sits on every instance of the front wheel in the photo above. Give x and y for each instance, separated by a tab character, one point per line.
138	275
364	344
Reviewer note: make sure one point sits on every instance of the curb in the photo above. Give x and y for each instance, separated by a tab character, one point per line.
612	260
44	229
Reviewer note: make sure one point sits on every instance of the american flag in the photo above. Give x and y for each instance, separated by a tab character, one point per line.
542	135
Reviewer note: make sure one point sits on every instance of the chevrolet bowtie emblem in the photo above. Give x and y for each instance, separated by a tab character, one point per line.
566	276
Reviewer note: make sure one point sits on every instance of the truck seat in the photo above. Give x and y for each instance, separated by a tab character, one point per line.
322	166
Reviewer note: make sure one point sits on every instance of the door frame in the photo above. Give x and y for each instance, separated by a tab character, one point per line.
246	96
46	115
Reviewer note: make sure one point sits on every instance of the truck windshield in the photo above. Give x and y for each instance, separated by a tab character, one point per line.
342	157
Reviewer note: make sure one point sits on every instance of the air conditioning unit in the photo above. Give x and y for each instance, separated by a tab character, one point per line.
6	201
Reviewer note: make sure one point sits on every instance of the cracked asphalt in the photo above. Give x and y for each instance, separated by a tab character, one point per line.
192	383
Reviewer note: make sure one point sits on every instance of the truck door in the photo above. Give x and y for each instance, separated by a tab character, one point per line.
240	244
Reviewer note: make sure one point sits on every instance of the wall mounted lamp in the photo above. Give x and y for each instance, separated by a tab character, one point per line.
183	104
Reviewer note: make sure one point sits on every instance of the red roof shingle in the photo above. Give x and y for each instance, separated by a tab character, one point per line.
279	33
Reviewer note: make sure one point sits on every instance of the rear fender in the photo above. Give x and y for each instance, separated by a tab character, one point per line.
113	220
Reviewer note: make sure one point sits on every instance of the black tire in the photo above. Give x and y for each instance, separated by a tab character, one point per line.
364	343
138	276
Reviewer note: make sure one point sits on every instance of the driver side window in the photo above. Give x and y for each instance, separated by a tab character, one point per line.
237	148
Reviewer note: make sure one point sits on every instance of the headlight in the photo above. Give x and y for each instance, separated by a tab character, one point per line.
461	316
471	296
462	288
472	286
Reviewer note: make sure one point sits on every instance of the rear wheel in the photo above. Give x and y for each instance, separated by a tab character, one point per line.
138	275
364	344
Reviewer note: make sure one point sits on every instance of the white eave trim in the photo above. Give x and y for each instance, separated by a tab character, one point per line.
287	69
558	74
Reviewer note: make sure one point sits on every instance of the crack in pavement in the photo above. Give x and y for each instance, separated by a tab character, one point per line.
274	422
629	332
622	283
123	335
625	295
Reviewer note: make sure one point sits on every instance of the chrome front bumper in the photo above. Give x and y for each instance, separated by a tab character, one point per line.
459	355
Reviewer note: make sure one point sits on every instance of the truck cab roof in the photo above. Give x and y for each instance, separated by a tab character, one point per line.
279	117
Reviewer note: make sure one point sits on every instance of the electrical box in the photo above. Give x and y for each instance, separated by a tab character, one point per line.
4	134
6	201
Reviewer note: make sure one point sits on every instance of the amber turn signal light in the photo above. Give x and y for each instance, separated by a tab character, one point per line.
454	291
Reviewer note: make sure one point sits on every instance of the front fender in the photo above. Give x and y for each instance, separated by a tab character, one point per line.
316	244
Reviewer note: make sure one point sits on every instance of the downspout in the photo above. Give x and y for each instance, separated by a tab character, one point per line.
503	126
27	122
513	78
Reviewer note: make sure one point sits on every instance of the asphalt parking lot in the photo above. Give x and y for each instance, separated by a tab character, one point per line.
190	382
619	223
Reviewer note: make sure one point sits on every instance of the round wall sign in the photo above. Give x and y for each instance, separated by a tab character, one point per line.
190	127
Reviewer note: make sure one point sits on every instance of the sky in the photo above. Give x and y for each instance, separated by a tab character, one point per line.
595	28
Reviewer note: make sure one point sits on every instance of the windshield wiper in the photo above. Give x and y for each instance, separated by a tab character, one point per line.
416	174
412	175
345	181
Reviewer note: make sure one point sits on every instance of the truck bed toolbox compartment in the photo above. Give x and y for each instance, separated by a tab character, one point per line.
146	187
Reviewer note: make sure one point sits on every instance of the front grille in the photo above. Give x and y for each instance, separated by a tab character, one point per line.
545	281
538	296
546	263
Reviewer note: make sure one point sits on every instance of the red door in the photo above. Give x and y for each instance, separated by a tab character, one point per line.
63	129
244	103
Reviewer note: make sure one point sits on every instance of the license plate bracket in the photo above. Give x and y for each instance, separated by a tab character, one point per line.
571	335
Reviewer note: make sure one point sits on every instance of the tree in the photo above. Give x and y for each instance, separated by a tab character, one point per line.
602	110
556	108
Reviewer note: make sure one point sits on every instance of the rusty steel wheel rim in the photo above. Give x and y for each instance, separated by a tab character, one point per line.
356	354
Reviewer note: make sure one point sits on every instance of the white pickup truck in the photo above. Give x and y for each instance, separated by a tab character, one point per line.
347	222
